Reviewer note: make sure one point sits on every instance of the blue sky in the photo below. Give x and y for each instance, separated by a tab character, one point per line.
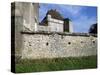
82	16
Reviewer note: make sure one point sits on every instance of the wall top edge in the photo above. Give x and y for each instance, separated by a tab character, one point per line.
60	33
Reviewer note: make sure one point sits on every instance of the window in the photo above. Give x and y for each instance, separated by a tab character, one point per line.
82	42
69	43
93	41
47	44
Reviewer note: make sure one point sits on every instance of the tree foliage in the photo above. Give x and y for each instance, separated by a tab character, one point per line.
93	29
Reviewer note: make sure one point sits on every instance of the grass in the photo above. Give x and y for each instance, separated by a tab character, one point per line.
56	64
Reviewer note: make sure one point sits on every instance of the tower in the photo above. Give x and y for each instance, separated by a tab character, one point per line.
26	15
53	20
67	25
30	16
24	18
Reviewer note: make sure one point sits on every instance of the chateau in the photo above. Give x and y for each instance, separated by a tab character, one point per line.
51	38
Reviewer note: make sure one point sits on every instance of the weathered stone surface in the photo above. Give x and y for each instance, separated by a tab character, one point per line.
33	41
54	45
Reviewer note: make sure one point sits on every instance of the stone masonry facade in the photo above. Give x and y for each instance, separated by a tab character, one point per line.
34	42
52	45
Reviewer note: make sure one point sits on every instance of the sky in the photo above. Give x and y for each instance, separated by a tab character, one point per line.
82	17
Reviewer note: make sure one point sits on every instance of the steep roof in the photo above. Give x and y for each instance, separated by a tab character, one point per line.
54	14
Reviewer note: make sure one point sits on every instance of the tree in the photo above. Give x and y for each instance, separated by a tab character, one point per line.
93	29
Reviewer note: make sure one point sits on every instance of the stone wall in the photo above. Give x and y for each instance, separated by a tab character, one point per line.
51	45
33	45
24	15
43	28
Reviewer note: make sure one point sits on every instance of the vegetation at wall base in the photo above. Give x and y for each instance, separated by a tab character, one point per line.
56	64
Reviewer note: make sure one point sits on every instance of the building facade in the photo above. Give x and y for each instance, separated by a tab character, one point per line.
33	40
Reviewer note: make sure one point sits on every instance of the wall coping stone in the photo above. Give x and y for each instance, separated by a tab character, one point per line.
60	33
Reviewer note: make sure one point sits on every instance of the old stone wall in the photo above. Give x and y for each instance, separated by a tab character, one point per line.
52	45
43	28
46	41
24	15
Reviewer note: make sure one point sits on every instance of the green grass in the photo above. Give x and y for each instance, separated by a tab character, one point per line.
56	64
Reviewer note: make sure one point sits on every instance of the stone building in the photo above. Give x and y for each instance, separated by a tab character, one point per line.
28	14
56	22
51	38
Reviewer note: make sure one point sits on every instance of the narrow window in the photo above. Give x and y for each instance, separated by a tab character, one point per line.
81	41
47	44
93	41
69	43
